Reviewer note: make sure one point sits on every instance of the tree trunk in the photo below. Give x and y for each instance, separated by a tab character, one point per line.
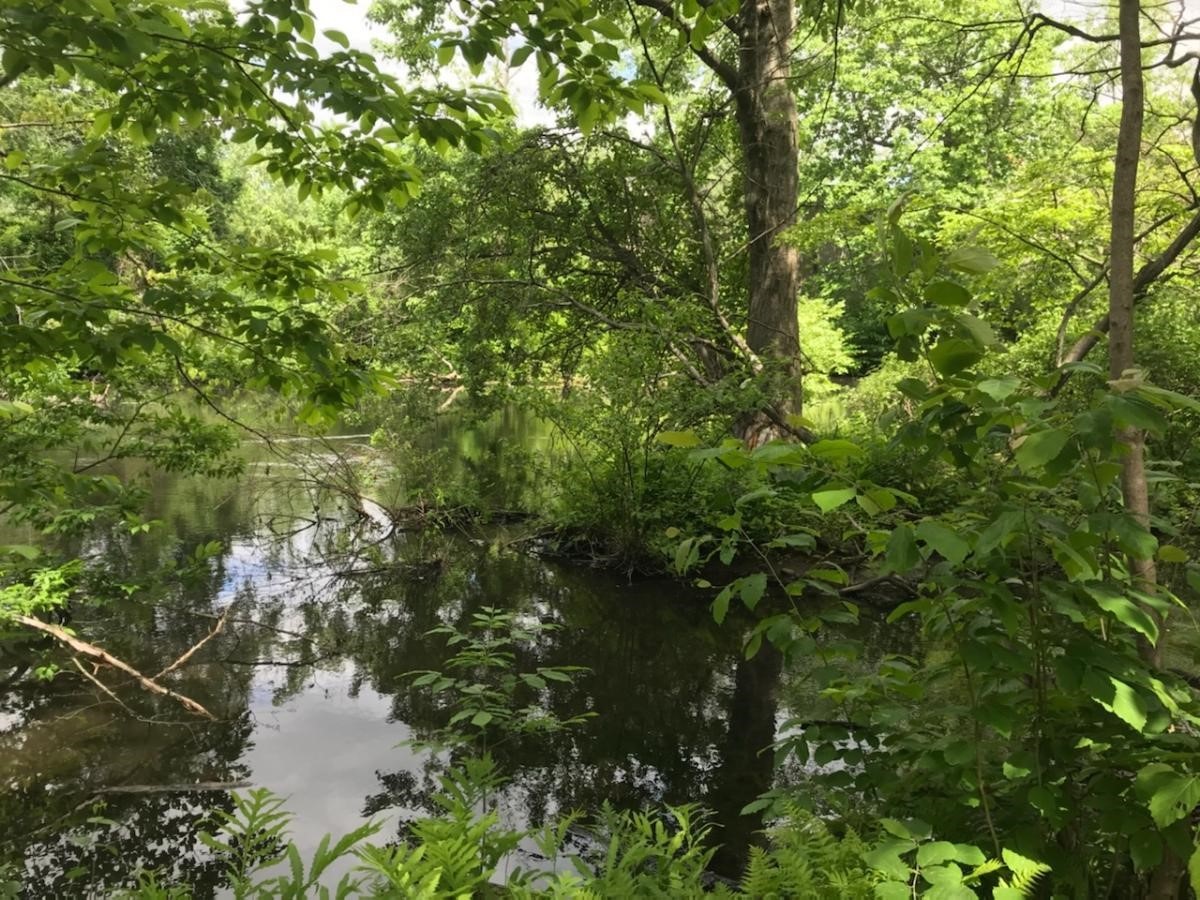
767	126
1121	287
1165	880
747	764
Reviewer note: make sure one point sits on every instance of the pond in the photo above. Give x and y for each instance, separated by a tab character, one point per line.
330	608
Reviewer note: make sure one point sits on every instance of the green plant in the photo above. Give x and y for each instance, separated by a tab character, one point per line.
1034	713
253	841
806	859
481	687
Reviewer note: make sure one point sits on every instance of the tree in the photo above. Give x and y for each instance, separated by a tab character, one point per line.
110	328
747	50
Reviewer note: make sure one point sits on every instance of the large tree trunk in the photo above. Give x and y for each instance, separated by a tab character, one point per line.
767	124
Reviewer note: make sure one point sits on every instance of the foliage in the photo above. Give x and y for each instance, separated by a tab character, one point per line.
1032	709
807	860
360	233
460	851
482	688
124	291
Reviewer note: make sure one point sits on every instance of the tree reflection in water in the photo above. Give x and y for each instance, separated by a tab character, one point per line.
306	680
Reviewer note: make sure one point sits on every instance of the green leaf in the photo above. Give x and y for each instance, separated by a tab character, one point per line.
308	27
23	550
830	499
1133	412
943	540
959	753
337	37
902	554
678	438
885	858
974	260
980	331
651	92
947	293
1134	538
481	718
720	607
1040	448
952	355
1125	610
519	55
1000	388
752	588
1013	771
902	252
896	828
588	116
608	28
836	450
1170	796
1169	553
807	541
1126	704
935	853
1146	849
445	54
1194	870
970	855
947	881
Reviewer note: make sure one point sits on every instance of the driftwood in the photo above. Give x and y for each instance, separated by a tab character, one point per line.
93	652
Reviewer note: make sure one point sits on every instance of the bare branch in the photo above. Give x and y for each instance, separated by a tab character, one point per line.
216	629
93	652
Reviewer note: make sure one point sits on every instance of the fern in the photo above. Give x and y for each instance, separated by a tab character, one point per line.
1025	875
401	871
807	860
249	838
644	855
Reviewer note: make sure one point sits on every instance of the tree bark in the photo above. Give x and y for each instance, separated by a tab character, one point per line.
767	128
1122	294
1121	285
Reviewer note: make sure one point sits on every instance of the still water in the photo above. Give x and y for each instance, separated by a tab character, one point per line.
330	608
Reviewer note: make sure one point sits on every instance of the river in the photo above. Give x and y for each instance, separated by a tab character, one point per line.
330	609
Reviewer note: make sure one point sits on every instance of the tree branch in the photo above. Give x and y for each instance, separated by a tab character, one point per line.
1142	282
723	70
93	652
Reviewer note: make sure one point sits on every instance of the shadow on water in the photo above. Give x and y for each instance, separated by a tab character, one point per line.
306	682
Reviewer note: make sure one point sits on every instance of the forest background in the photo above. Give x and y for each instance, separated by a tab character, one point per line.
830	305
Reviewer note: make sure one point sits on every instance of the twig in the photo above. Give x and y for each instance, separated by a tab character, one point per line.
204	640
100	684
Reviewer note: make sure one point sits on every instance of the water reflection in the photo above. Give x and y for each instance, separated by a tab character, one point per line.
328	613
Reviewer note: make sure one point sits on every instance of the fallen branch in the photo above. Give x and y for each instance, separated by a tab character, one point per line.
173	788
94	652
